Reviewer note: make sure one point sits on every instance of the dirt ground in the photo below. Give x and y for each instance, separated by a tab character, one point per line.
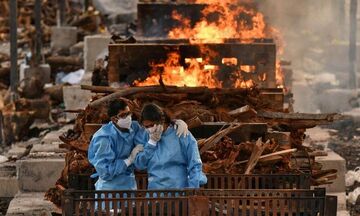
346	143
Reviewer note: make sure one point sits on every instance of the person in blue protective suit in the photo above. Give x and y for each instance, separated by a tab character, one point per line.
112	150
171	162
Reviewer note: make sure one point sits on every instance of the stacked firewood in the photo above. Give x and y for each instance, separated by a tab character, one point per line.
74	17
279	150
33	101
87	22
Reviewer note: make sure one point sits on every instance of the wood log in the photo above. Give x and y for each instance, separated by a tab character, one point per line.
56	93
39	107
4	57
31	88
90	129
299	116
264	157
5	73
99	89
257	151
318	154
194	122
126	92
245	112
214	139
281	138
163	97
65	60
16	125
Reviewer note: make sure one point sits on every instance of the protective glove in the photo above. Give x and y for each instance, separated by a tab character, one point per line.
134	152
155	134
181	128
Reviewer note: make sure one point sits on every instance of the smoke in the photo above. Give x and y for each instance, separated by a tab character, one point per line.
306	22
315	37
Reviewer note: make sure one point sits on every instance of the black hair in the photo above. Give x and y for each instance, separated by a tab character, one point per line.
116	106
152	112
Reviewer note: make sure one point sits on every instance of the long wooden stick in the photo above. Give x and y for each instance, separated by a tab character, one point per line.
258	149
269	155
125	92
214	139
99	89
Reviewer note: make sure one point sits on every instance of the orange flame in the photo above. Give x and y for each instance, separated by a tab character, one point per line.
225	25
197	73
228	25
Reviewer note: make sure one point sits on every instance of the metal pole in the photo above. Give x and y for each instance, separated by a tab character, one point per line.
14	77
339	9
352	48
38	40
61	13
86	5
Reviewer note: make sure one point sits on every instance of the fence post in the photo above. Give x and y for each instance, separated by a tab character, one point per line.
67	203
330	205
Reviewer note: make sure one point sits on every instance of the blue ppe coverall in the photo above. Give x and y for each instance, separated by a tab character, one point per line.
174	163
108	149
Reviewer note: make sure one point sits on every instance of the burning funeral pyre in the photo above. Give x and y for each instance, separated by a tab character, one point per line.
214	67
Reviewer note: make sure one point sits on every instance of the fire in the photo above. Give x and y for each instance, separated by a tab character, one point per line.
220	20
279	75
197	73
247	68
227	25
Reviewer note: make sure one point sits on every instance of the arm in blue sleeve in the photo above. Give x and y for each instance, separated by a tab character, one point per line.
102	157
142	158
195	174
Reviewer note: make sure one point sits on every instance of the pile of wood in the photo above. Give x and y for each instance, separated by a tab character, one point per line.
278	150
75	16
87	22
33	101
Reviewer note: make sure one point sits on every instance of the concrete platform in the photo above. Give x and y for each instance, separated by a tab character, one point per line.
53	136
41	72
334	161
8	181
343	213
8	186
63	37
50	142
94	45
38	175
75	98
30	204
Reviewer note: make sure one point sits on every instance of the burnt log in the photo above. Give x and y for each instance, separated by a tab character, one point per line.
65	60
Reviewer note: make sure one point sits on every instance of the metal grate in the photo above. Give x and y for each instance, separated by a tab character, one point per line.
196	202
288	181
216	181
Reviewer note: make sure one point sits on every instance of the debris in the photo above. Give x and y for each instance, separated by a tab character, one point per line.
258	149
73	77
3	159
352	176
353	196
208	143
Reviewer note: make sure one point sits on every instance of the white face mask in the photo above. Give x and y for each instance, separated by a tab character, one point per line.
124	122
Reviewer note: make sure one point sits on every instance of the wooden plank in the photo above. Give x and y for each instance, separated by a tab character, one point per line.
247	54
125	58
299	116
